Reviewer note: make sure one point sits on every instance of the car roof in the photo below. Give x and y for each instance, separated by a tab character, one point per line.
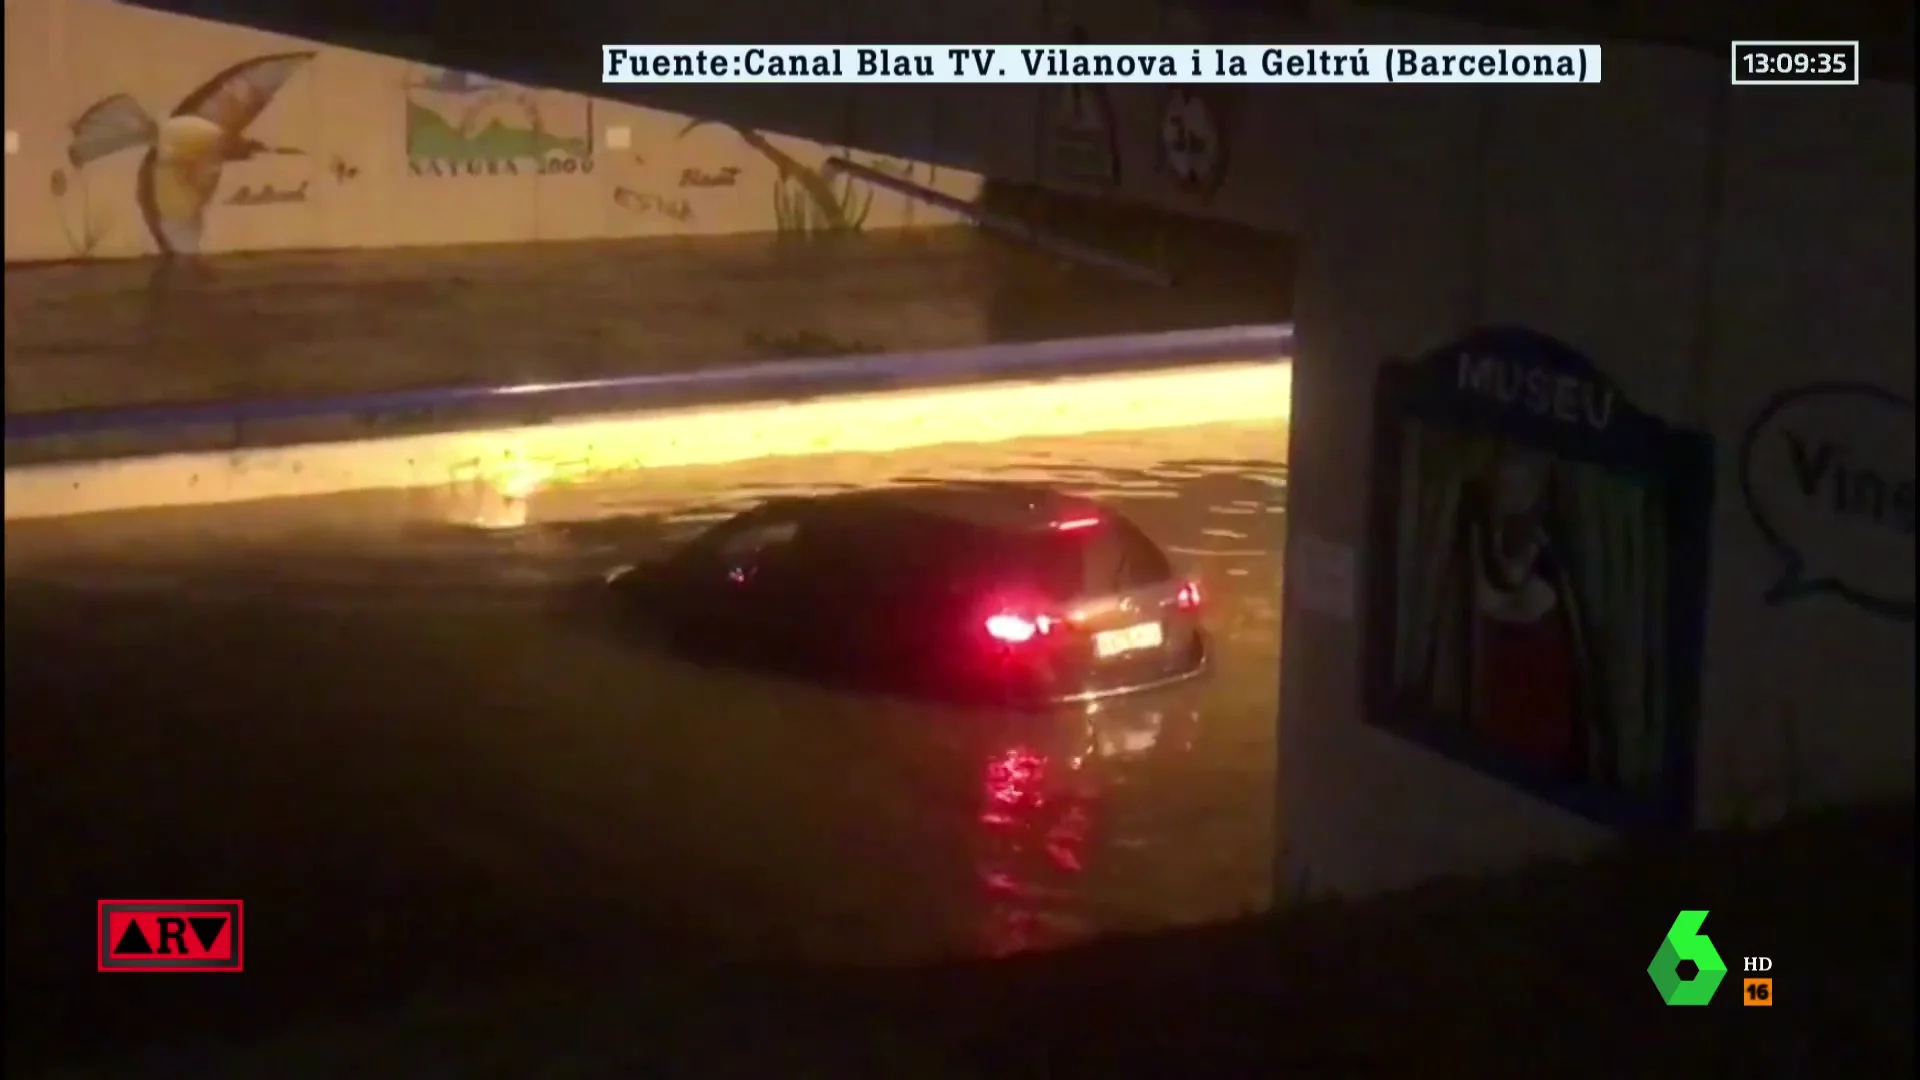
1002	506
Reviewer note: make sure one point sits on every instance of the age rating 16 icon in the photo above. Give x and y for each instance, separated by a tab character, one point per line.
170	935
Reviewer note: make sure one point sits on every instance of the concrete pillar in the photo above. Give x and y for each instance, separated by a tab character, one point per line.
1713	251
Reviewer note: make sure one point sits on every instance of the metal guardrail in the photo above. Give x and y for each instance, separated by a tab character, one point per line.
785	379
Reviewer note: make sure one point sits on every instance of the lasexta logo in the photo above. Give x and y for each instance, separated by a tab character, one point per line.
170	935
1683	943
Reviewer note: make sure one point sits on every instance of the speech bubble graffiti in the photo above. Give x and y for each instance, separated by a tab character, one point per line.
1827	473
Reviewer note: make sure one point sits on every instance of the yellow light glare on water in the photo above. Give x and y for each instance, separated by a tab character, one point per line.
503	493
509	466
521	479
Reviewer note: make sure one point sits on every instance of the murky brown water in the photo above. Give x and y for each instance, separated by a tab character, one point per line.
300	325
379	729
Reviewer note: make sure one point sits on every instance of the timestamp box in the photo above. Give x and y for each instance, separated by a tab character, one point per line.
1796	63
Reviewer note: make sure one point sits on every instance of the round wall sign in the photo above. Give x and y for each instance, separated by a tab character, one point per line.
1193	141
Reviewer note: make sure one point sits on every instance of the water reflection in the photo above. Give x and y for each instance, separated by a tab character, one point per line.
1043	819
1034	832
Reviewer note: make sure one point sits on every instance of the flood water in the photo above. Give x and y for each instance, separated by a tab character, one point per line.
417	749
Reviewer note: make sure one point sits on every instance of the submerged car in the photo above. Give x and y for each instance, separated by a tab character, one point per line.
993	593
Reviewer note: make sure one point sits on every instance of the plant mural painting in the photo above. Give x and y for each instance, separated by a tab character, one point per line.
461	124
806	203
837	205
185	154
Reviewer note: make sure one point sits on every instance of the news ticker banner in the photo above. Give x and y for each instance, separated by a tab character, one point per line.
1753	63
1082	65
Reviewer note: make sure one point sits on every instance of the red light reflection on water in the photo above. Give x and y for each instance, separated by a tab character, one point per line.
1035	834
1042	819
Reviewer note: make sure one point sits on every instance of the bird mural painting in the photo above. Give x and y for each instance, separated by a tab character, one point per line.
187	151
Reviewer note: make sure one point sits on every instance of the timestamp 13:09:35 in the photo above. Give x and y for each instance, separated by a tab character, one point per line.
1796	63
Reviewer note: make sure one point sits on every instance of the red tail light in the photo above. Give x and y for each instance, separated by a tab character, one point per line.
1012	629
1016	628
1188	598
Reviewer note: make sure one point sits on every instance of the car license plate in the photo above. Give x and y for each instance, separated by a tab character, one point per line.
1110	643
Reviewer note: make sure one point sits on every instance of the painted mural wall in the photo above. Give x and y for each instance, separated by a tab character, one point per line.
134	133
1726	275
1178	148
1226	153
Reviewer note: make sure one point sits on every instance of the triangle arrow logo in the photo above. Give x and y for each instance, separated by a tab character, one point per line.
133	942
207	929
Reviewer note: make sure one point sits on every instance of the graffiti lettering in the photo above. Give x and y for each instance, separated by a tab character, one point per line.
1854	491
267	195
500	167
1826	471
475	167
806	202
701	178
643	202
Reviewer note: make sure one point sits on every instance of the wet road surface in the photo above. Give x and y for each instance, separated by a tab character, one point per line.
431	758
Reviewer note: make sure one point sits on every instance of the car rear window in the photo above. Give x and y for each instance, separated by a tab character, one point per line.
1113	556
747	537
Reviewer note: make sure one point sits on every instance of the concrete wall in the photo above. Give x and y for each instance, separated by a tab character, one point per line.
1713	250
365	150
359	150
367	127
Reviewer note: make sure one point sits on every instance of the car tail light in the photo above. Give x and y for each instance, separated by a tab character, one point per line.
1188	598
1018	628
1074	524
1012	629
